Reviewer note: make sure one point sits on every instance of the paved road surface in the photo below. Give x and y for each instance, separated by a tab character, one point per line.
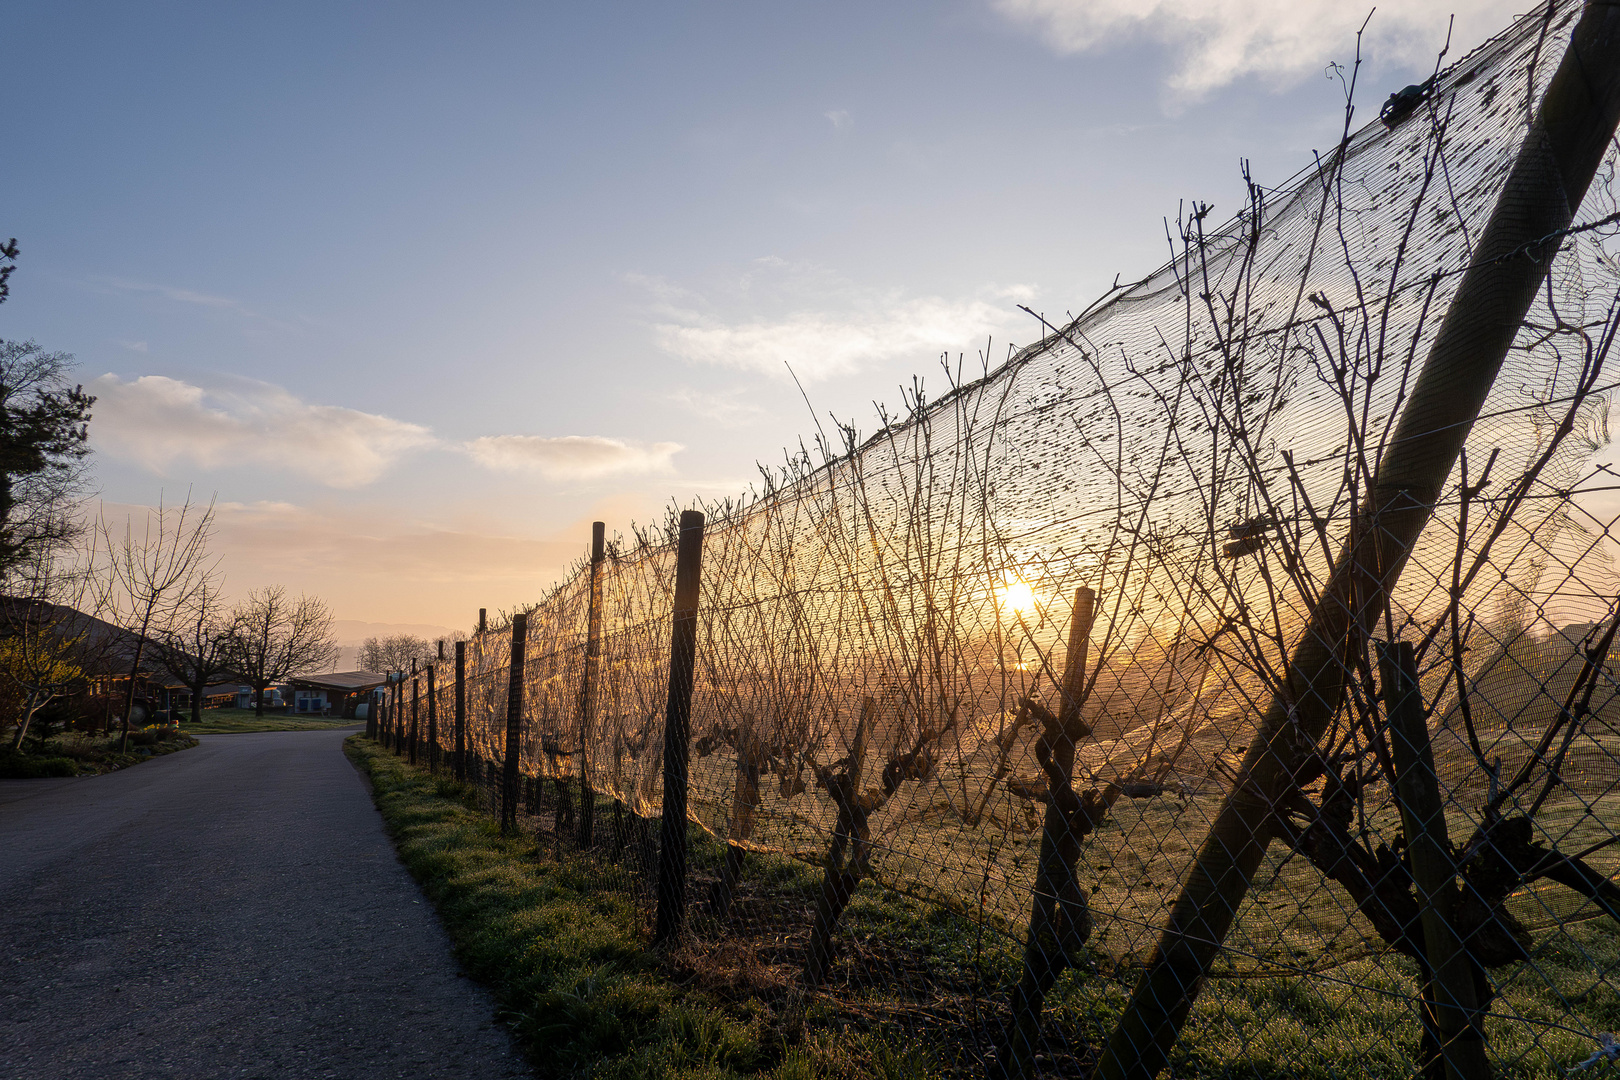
232	910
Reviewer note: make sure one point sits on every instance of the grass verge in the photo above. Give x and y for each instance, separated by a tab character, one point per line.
916	990
569	965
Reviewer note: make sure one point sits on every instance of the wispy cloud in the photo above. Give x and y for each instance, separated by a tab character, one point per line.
260	509
819	323
1220	41
193	298
135	346
839	118
571	457
158	421
179	295
727	407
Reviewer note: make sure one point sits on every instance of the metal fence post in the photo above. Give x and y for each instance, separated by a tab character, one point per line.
461	710
678	729
587	690
514	726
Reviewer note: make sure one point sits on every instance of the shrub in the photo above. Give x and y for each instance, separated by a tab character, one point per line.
151	736
15	766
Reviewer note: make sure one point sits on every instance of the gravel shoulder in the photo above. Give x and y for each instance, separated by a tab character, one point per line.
235	910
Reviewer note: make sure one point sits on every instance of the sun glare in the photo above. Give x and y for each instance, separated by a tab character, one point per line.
1018	597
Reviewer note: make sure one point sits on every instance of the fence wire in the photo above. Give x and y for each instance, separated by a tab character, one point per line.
1109	548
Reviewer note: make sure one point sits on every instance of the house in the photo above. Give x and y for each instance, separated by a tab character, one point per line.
214	696
273	698
334	694
103	652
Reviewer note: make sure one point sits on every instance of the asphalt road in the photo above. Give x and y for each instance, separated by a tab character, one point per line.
232	910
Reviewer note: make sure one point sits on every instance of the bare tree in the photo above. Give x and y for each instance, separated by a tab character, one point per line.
274	636
197	648
394	653
156	576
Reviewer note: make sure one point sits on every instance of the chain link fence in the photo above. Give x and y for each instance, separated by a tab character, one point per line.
1223	682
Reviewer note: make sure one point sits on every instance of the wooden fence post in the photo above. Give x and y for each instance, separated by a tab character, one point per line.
399	714
461	710
1450	1003
435	754
514	725
1059	920
433	717
416	714
587	690
678	730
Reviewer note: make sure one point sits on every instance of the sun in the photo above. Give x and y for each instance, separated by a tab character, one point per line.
1017	596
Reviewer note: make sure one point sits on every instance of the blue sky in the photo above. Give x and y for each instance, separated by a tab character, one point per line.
419	290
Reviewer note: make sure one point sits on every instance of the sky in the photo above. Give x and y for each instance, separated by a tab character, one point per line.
417	291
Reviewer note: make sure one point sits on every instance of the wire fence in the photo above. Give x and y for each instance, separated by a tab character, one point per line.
1223	682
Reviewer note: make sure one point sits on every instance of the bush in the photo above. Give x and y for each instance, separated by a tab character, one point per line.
151	736
80	747
14	766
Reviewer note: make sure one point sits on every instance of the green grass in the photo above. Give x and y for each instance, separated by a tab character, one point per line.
569	962
562	940
239	721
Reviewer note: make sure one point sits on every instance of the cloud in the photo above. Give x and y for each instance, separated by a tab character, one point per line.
726	407
223	304
157	421
179	295
135	346
1220	41
839	118
571	457
827	325
260	509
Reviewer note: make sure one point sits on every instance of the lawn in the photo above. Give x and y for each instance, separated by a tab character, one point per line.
238	721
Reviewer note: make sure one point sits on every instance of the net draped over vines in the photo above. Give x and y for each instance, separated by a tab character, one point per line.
884	629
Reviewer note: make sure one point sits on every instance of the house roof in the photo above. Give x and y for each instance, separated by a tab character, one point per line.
346	682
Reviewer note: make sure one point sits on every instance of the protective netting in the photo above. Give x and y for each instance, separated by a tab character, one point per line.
880	729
